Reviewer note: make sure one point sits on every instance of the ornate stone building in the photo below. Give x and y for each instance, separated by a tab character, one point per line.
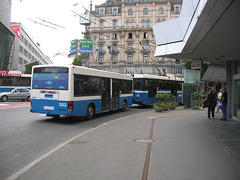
123	37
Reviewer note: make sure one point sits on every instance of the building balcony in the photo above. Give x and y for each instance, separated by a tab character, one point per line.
102	51
115	51
145	51
130	51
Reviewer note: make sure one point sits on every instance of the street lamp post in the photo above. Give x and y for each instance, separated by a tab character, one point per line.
111	52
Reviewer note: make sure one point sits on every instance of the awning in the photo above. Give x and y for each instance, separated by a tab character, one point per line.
215	73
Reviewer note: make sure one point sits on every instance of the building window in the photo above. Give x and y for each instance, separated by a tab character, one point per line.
101	59
110	3
114	36
115	12
143	23
114	24
128	24
177	61
145	46
101	13
145	59
25	52
178	71
21	49
132	23
130	46
129	35
145	11
114	48
101	37
160	11
114	58
148	23
101	25
20	61
130	12
101	48
26	42
130	58
177	10
145	35
29	56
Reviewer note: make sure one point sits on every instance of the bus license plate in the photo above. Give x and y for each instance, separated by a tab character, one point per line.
48	107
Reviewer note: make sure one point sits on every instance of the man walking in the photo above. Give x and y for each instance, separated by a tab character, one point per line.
211	101
224	101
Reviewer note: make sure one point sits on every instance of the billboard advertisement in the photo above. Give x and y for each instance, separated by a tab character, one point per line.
16	30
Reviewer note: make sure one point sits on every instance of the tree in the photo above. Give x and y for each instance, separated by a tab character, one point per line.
28	67
77	60
187	65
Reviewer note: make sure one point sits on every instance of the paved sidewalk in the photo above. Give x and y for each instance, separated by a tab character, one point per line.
174	145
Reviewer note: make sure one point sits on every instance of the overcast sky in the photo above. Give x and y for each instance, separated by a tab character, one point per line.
58	12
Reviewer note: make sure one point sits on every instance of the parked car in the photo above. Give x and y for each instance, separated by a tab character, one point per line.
16	94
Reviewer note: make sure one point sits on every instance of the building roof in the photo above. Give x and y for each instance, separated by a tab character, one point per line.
206	29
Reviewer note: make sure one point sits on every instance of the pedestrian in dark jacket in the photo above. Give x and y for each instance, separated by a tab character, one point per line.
211	101
224	101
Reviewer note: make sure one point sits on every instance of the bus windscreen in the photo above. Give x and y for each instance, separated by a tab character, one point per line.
55	78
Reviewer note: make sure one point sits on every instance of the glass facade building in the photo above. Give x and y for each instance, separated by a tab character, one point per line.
6	42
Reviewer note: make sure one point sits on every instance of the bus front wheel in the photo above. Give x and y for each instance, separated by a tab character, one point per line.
90	112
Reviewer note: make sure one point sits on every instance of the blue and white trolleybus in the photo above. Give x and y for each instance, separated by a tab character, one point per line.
147	86
78	91
14	79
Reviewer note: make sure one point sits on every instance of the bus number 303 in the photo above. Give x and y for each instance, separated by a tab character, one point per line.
62	104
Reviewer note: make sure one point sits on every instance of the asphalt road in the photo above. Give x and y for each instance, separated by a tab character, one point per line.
25	136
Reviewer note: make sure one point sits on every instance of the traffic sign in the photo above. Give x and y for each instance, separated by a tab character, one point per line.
86	46
84	41
73	50
74	41
85	50
73	46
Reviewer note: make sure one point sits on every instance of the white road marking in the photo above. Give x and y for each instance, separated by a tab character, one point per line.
30	165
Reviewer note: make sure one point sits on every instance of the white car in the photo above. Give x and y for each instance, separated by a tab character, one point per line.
16	94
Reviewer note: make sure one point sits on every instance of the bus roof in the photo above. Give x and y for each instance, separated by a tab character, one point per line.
167	77
92	72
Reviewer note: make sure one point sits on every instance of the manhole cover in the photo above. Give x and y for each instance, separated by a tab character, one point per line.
144	140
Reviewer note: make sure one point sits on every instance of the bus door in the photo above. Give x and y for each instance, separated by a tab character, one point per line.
105	94
174	88
152	88
115	94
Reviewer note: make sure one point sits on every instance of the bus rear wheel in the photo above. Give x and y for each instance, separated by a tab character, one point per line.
124	105
90	112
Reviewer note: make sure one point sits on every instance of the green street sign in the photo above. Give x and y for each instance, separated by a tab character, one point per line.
73	46
84	41
74	41
86	46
